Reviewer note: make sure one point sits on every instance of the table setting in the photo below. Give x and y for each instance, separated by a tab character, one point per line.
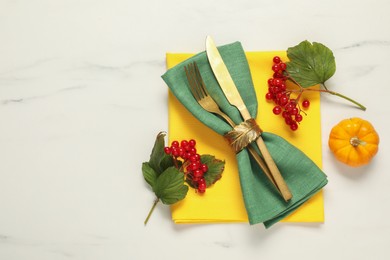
258	211
176	130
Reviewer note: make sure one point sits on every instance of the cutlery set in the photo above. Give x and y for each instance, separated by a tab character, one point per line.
206	101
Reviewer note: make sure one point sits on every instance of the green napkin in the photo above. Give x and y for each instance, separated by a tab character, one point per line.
262	201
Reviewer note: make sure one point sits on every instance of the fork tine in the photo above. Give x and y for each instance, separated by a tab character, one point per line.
197	86
194	82
201	85
191	81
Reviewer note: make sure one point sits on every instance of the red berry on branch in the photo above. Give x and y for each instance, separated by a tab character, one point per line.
275	89
278	75
298	118
276	59
289	107
270	81
198	173
167	150
283	100
268	96
192	142
204	168
294	111
194	166
175	152
277	110
275	67
288	120
181	151
277	82
197	157
201	187
285	114
294	126
183	143
192	150
192	158
306	103
187	155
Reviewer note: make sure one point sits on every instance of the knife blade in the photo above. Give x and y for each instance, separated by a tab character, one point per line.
232	94
224	78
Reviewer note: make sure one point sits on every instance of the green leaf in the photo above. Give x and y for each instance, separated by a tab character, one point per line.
310	64
170	187
150	175
215	168
166	162
160	161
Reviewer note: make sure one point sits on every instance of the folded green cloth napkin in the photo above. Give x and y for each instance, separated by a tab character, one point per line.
262	201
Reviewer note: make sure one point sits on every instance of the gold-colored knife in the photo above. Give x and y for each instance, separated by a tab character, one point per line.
233	96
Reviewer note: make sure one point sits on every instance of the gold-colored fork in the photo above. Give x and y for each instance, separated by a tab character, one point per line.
199	91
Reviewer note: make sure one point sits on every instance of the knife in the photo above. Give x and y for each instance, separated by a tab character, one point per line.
233	96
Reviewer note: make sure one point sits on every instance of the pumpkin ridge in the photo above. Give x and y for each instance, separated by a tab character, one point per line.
342	131
368	133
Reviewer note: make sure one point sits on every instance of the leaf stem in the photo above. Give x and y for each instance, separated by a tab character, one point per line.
349	99
151	210
325	90
342	96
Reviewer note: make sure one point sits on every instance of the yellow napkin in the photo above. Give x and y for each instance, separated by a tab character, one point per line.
223	201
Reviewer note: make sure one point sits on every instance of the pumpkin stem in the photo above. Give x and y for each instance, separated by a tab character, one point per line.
355	141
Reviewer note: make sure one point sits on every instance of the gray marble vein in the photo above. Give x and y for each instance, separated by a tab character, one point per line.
368	43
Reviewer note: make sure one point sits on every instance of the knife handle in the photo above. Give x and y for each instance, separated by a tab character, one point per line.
273	168
278	179
260	161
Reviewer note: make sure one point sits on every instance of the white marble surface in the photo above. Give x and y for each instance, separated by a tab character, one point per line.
77	77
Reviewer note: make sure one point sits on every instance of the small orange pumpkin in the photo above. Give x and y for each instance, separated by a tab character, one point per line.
354	141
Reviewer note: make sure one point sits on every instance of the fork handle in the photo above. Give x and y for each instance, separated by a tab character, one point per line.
279	181
262	165
277	176
254	154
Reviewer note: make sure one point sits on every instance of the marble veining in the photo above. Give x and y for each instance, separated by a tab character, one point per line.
48	95
369	43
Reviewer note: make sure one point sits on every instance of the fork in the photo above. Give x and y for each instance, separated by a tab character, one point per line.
200	93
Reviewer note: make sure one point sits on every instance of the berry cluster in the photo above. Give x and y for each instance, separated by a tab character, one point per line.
194	169
278	93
